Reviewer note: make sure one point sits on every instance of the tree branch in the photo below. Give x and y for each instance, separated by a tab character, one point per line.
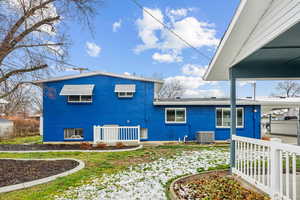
14	89
19	71
16	26
38	45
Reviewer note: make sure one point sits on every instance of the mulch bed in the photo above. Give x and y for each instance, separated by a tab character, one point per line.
216	186
37	147
20	171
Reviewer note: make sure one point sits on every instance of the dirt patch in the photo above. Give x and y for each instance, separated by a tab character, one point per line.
37	147
216	185
20	171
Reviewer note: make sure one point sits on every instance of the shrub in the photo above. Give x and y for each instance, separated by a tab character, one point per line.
101	145
266	138
120	145
25	127
85	146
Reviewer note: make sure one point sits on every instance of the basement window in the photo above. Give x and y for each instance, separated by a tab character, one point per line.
73	133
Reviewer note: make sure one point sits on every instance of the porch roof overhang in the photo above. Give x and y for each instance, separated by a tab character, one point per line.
263	46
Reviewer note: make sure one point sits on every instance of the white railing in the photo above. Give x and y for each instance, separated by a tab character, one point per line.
113	134
268	165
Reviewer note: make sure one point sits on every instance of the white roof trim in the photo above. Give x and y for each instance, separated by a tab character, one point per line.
124	88
274	102
199	103
77	90
99	73
255	24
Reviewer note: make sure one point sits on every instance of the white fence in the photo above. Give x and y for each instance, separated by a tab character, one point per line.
113	134
268	165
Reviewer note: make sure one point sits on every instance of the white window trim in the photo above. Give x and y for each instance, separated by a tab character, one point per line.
174	122
126	95
223	108
69	138
80	101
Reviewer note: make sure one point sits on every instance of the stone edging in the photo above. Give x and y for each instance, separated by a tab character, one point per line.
172	193
173	196
87	151
28	184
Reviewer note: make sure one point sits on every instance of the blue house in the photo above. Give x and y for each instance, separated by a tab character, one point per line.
98	105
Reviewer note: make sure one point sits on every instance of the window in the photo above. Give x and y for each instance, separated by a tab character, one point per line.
73	133
223	117
125	94
175	115
80	99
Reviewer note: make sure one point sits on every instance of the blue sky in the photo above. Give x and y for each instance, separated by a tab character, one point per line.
128	40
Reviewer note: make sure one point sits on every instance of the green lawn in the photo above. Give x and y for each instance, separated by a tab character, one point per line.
96	165
23	140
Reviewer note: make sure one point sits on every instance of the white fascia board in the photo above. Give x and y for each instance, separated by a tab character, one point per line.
201	103
273	103
244	22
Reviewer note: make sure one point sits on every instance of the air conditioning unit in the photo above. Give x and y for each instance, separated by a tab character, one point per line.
205	137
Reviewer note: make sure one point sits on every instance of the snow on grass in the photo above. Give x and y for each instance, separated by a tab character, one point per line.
147	181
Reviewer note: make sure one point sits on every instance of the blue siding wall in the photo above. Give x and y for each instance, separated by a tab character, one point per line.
107	108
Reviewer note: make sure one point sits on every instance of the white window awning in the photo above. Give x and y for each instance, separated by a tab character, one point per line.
125	88
77	90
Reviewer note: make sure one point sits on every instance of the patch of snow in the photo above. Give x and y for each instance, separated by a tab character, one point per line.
146	181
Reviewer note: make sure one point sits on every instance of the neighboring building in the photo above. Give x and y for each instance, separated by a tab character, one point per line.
74	104
6	128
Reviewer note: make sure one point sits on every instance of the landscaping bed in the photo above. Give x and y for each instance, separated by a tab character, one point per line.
19	171
45	147
216	185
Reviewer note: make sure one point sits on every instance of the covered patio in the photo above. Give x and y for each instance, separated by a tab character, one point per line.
261	43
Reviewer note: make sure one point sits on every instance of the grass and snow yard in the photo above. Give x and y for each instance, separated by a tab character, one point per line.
141	174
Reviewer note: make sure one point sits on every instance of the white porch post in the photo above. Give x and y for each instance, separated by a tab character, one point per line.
233	116
275	170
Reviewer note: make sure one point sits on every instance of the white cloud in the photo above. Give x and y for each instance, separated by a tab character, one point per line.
192	81
127	73
204	93
147	27
198	34
116	25
92	49
175	14
154	36
189	82
244	83
166	58
194	70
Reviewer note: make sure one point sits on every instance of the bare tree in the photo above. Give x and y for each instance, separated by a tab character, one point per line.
19	101
171	89
289	88
33	36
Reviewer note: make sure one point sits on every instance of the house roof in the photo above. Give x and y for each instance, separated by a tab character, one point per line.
99	73
254	32
269	102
